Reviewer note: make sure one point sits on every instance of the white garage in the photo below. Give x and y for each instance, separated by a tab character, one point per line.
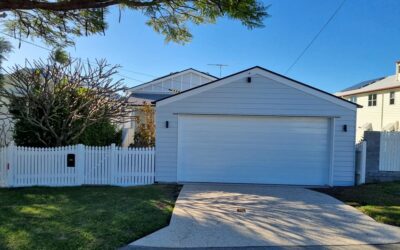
253	149
255	127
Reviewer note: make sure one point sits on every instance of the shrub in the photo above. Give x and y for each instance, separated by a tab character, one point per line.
146	129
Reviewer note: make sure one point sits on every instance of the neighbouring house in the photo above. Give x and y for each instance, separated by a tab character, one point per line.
161	87
380	99
255	126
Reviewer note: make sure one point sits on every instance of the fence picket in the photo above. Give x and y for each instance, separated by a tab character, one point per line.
2	167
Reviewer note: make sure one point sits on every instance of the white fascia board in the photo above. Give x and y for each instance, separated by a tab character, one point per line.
350	92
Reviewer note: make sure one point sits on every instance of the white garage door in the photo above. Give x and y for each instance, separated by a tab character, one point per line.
250	149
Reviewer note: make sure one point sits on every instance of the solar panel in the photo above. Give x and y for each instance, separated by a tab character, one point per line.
363	84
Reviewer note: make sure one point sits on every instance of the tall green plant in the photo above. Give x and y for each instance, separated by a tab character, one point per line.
102	133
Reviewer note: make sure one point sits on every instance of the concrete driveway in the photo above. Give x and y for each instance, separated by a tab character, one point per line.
207	215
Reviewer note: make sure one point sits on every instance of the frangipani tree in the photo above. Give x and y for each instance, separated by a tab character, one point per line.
53	103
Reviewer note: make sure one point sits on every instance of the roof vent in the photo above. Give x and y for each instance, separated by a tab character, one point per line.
398	70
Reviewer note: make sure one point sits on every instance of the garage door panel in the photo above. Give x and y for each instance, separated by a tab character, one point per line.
239	149
256	137
255	158
273	145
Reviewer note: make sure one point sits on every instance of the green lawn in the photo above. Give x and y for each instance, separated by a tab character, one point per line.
82	217
380	201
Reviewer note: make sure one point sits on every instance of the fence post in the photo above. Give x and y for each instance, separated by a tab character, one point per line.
10	165
80	164
113	169
363	161
153	164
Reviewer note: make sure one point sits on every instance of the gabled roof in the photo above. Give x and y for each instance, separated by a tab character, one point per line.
381	83
141	98
268	73
212	78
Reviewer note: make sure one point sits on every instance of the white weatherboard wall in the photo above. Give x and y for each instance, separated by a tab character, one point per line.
264	96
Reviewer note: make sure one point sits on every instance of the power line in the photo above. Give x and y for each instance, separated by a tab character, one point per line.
90	62
139	73
130	78
42	47
25	41
316	36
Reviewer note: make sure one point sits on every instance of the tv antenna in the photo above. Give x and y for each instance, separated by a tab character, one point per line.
220	67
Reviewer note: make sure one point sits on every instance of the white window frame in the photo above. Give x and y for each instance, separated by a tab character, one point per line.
392	98
372	100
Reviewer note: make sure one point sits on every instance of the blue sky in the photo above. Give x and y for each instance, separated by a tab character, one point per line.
362	42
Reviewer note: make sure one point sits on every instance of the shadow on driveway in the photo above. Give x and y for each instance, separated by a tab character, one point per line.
278	217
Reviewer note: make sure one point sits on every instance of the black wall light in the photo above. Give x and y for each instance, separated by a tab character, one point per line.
345	128
249	79
166	124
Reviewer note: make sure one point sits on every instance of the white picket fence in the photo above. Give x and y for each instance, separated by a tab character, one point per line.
389	155
111	165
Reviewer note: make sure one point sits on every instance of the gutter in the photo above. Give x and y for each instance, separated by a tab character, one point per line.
367	91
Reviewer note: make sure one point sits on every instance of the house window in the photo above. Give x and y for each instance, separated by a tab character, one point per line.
353	99
391	98
372	100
